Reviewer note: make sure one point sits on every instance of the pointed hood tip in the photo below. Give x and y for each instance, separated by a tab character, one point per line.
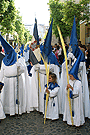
10	54
47	44
74	69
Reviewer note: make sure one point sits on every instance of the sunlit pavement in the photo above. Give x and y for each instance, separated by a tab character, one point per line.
33	124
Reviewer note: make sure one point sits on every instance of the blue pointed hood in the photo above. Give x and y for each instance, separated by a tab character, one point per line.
73	39
10	54
74	69
27	48
21	50
47	48
35	32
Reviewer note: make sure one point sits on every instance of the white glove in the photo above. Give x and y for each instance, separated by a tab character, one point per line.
18	64
70	55
37	66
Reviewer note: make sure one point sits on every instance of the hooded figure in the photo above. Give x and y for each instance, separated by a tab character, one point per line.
46	49
76	97
81	75
1	56
38	71
10	54
82	68
74	69
73	40
13	74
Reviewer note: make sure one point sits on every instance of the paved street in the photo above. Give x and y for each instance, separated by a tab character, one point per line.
32	124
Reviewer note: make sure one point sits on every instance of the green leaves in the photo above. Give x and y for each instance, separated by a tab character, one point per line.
63	15
11	21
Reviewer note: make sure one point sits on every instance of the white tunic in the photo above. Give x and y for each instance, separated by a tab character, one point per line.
52	107
9	94
37	86
83	77
77	105
2	114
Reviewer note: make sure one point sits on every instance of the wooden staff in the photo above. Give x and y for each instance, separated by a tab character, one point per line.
62	41
47	95
17	50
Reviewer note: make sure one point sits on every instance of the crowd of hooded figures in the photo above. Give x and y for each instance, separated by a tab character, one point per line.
31	94
24	84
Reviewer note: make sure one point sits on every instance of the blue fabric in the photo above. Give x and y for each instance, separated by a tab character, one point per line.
52	86
74	69
46	49
29	68
73	40
30	74
1	83
47	44
73	113
10	54
16	101
35	32
27	48
21	50
51	59
71	94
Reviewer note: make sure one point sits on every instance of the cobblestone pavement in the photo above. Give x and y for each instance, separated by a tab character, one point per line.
32	124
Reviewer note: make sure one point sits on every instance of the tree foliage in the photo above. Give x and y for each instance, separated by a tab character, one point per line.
11	22
7	16
63	15
56	13
22	33
79	10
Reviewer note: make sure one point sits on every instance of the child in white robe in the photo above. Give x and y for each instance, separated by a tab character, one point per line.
52	107
2	114
76	96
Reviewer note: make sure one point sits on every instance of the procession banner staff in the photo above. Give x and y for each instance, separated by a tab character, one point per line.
47	74
62	41
17	50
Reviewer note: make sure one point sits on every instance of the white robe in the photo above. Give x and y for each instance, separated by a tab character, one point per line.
26	55
52	106
2	114
63	81
9	94
78	118
37	94
83	77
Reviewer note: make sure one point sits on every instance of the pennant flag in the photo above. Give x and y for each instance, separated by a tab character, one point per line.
47	49
35	38
32	57
37	54
10	54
